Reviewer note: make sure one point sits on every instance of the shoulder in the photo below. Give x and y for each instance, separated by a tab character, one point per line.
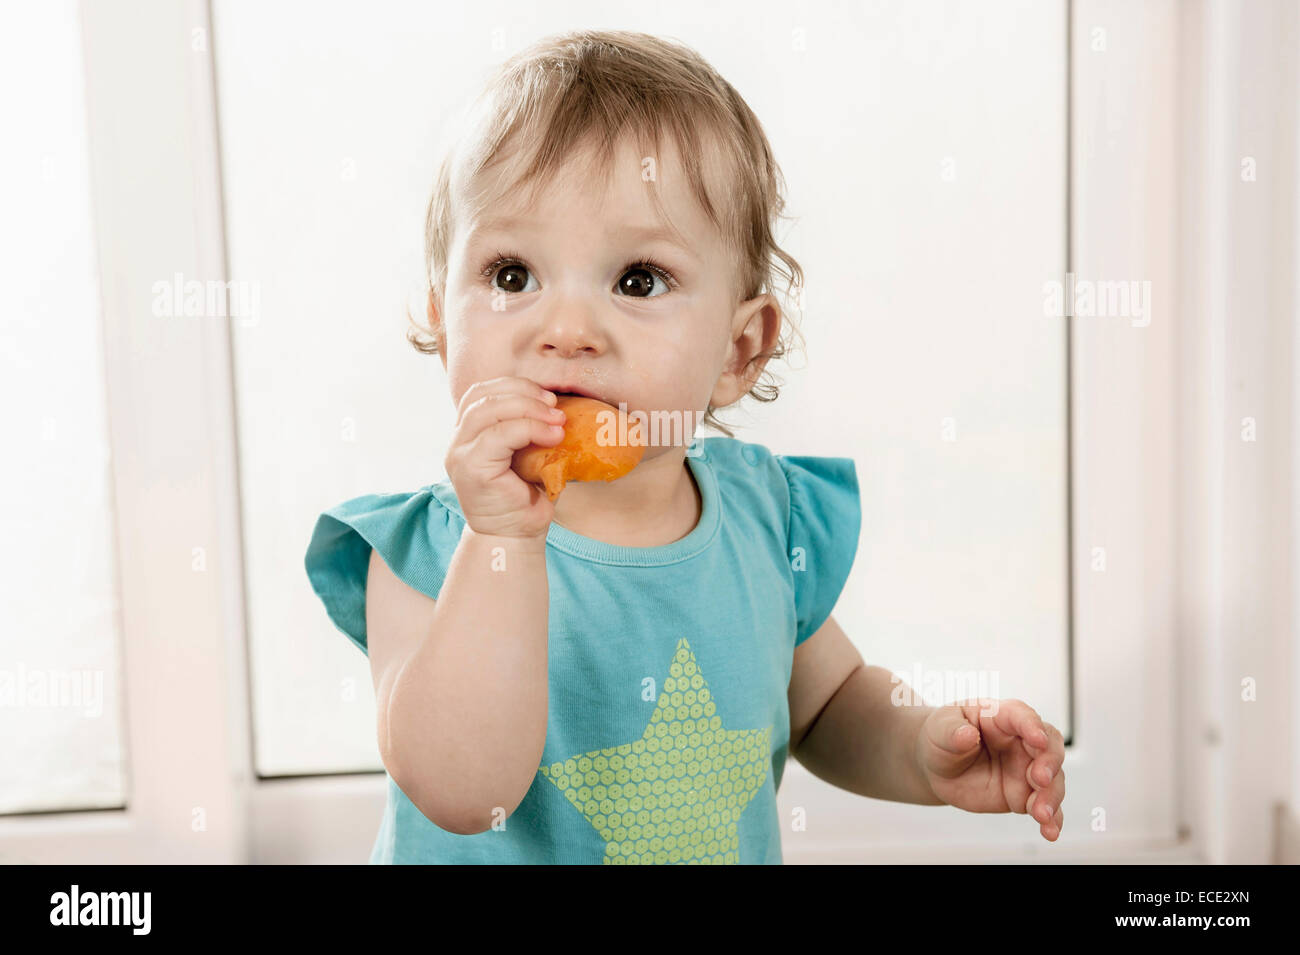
792	480
753	485
733	455
386	516
745	470
415	532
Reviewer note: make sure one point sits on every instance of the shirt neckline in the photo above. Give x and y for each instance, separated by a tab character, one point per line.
588	548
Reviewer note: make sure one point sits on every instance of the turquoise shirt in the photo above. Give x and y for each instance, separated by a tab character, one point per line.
669	667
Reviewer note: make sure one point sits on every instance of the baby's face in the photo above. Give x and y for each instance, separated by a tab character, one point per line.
559	294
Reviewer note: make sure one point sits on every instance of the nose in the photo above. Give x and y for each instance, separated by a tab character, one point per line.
570	330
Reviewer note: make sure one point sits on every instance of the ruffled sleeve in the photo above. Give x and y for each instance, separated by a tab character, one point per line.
822	538
415	534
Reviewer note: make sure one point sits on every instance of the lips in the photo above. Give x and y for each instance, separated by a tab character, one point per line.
565	389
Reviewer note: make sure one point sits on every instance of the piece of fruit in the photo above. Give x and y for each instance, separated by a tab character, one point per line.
580	456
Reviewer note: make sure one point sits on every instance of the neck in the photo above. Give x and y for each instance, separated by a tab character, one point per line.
653	505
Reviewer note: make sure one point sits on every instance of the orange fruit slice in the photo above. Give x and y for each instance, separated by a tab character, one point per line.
580	456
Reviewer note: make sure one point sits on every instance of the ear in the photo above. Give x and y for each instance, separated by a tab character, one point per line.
755	331
435	323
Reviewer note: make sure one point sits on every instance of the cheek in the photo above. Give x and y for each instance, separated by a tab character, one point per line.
469	330
467	350
684	342
697	345
678	367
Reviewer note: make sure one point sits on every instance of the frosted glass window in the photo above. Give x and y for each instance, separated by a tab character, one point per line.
924	147
60	700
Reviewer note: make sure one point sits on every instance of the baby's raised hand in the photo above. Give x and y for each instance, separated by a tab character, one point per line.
495	418
995	756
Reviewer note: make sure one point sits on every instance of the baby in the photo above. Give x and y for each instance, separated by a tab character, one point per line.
620	675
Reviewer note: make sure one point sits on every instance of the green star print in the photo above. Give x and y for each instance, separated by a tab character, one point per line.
675	794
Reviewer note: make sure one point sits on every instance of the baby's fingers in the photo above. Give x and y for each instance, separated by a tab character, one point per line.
496	444
500	387
1044	766
1052	830
493	409
1044	803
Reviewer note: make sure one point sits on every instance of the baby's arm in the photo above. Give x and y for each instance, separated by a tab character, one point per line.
844	727
461	682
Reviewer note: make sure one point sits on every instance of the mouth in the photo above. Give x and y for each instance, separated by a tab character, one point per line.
577	391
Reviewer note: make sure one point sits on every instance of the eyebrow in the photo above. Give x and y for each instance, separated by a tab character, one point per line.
635	233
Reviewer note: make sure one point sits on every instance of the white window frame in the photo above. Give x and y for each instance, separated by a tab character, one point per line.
1122	629
1163	743
158	208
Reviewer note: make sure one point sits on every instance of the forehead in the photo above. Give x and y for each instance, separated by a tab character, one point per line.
617	203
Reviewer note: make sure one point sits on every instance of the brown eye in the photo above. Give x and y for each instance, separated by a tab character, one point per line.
641	282
512	278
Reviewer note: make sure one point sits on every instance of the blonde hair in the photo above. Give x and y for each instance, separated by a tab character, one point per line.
571	88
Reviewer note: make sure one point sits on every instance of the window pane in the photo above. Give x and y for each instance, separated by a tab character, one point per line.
930	231
325	174
60	717
924	147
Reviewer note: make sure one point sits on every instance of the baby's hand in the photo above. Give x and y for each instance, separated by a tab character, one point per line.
495	418
1007	762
